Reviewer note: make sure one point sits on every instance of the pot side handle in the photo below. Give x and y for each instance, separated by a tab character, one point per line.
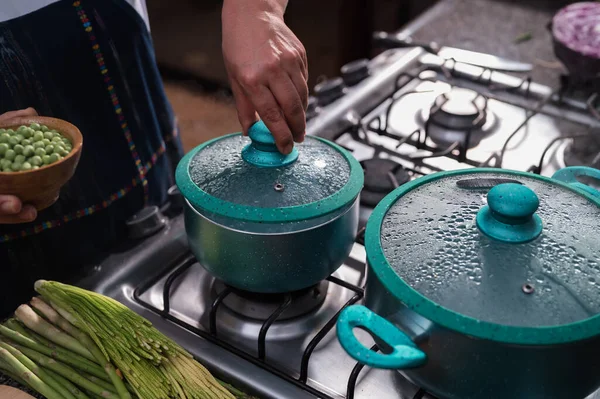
405	353
569	175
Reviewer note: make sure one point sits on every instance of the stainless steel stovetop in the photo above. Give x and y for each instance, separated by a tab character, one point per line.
285	346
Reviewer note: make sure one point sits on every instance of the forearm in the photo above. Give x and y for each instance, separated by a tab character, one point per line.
243	6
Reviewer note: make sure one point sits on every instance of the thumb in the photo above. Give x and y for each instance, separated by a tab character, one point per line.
246	113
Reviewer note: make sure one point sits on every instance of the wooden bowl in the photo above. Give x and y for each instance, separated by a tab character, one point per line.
41	187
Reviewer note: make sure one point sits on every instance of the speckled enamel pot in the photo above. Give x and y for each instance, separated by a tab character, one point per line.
259	227
456	356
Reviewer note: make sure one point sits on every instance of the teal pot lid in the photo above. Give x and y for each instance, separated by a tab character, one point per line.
496	254
246	180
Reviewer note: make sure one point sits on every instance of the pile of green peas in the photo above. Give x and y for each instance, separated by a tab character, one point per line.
31	147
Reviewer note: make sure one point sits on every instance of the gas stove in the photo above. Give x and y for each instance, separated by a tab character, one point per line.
403	114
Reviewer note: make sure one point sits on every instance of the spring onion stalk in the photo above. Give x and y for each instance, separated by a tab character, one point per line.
38	371
7	370
28	376
33	321
17	326
77	360
76	392
154	365
65	371
58	353
58	320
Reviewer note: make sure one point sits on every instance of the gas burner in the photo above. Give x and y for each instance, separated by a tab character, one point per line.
583	151
459	115
241	315
382	176
261	306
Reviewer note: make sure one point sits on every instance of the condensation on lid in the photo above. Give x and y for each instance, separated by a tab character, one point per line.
430	239
220	171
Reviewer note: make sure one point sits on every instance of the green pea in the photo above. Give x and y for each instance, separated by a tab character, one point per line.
38	144
56	134
11	132
22	129
7	168
57	140
4	137
35	167
19	137
20	158
53	130
27	133
26	142
46	141
26	166
2	130
18	148
3	148
12	141
40	151
35	126
16	166
37	136
10	154
44	128
46	159
28	151
58	148
36	160
49	149
48	135
4	163
54	157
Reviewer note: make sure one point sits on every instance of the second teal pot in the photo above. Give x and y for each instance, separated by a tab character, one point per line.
482	283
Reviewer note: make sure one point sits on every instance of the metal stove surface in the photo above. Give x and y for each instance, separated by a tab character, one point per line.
381	116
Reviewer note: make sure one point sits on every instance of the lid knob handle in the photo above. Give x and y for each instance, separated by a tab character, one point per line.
263	152
510	214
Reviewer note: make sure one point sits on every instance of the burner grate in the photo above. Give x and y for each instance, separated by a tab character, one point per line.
458	151
212	334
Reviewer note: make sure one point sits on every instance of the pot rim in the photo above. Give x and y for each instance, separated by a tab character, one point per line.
333	219
201	199
414	300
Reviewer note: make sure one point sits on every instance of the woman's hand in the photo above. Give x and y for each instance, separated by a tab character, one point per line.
16	114
267	68
11	209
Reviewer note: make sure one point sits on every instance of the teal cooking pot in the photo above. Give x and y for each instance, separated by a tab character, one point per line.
485	283
265	222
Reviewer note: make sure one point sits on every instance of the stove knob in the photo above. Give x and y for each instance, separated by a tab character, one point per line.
146	222
329	90
355	71
175	199
311	110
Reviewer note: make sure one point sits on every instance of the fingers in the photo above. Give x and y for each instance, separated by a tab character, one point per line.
19	113
301	87
12	211
291	104
245	110
271	113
